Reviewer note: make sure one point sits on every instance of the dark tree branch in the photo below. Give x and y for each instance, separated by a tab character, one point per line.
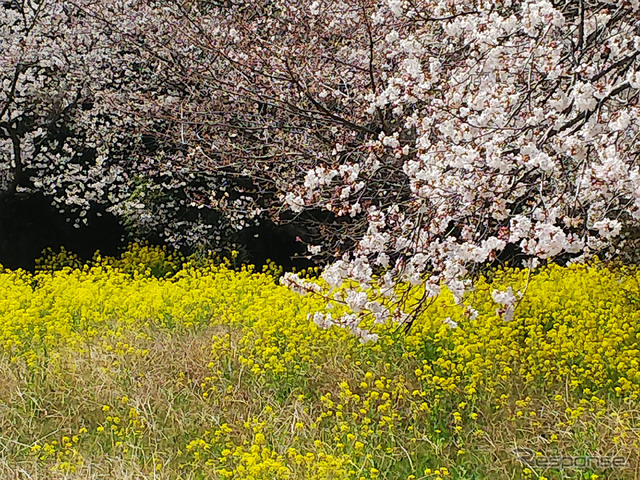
17	157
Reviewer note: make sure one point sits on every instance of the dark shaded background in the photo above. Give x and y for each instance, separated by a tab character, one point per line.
29	224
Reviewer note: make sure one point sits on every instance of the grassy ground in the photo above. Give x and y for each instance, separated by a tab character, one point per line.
141	369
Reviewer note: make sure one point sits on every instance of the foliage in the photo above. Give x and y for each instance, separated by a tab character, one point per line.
112	371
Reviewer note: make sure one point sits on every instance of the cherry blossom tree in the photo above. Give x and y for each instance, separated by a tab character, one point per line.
435	134
61	136
44	57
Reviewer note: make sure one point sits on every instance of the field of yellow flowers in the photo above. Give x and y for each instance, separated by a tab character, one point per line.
154	367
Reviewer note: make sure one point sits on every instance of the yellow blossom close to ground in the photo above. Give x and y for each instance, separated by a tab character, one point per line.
155	366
